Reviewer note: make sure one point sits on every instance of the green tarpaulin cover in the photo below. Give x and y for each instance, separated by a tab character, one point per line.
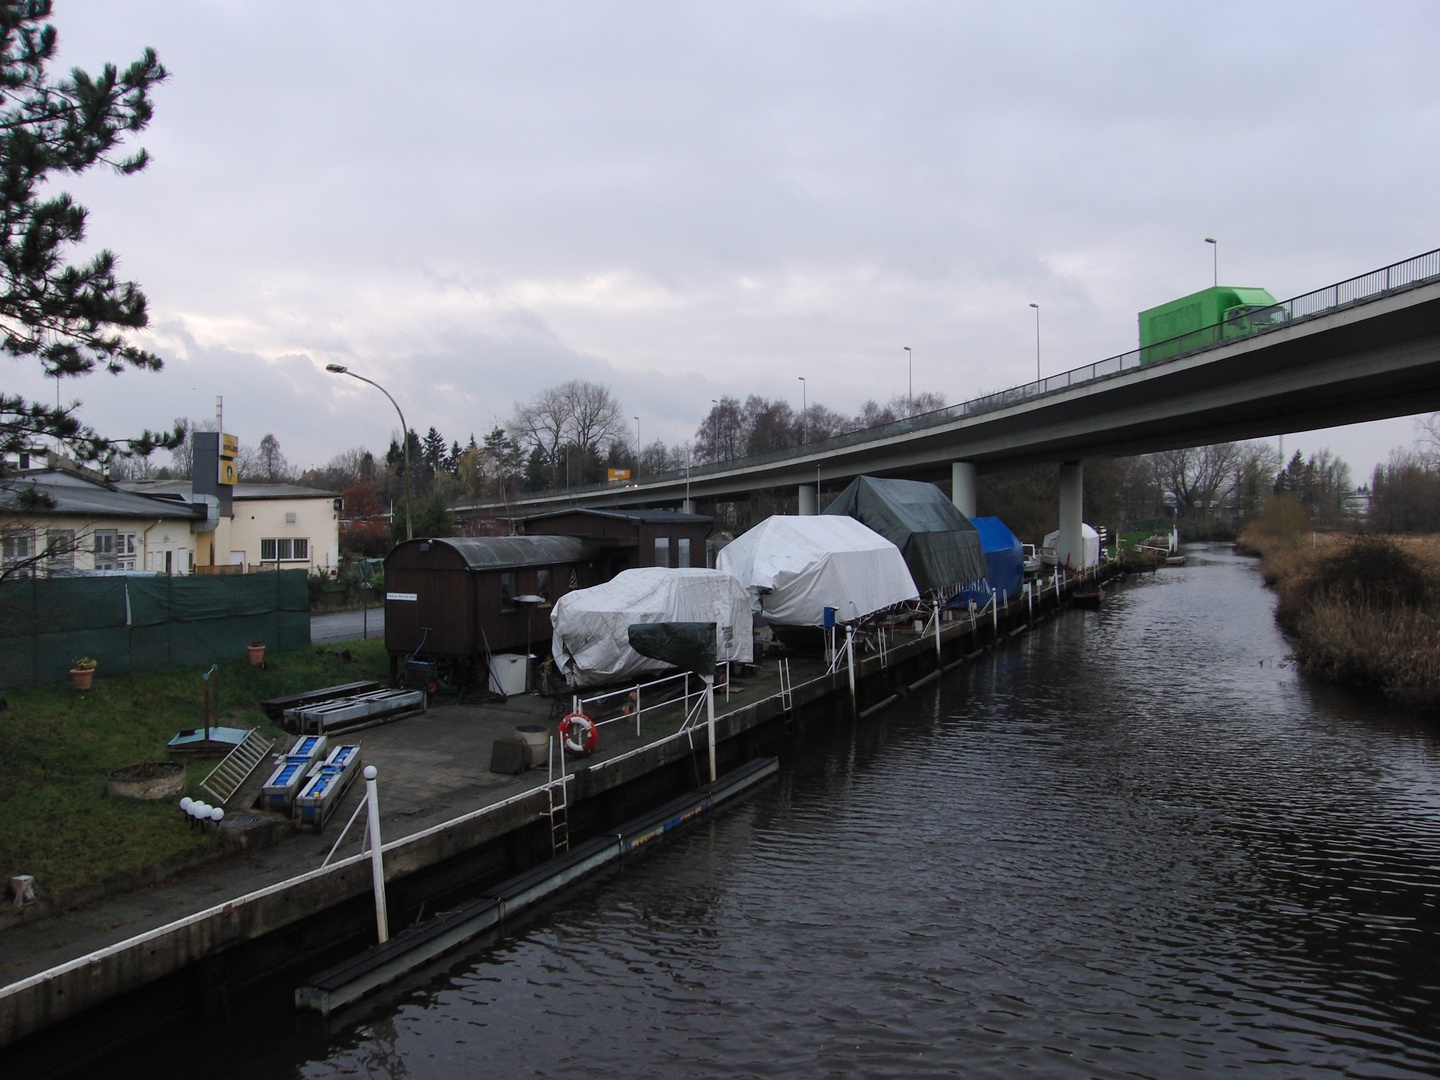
687	645
941	547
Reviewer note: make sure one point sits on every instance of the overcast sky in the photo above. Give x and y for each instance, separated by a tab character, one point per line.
471	201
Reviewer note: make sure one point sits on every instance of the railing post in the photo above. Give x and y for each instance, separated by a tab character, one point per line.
710	722
377	863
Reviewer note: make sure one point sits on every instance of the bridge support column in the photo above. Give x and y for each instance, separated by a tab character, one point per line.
807	501
1070	547
962	487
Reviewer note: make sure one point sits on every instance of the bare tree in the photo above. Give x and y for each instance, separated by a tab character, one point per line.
580	413
722	436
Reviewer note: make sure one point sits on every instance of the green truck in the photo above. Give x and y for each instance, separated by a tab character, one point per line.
1204	318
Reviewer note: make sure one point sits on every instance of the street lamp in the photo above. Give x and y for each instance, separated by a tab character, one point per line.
341	369
803	408
1037	341
1214	260
910	391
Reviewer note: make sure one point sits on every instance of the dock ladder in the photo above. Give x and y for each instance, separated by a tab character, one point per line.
787	685
225	779
559	803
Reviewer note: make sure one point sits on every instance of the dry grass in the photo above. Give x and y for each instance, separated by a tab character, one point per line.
1363	610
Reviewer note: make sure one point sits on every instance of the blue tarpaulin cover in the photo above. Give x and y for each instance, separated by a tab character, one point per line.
1004	555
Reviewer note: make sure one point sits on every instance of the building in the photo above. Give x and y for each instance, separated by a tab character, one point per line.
630	538
269	527
62	519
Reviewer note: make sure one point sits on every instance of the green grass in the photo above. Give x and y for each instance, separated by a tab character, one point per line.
57	745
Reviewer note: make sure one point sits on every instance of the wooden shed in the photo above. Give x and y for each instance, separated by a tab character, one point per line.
460	599
630	538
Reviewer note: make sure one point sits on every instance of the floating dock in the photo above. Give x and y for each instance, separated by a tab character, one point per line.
355	711
349	981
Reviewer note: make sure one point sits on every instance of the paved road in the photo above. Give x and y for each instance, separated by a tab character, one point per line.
347	626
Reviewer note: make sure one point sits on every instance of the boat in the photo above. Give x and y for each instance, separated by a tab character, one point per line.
1175	560
1090	598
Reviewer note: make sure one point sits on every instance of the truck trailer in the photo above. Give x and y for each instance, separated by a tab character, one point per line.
1205	318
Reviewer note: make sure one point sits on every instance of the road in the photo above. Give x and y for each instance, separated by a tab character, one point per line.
347	626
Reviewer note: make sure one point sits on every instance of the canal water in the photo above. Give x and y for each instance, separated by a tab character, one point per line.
1134	843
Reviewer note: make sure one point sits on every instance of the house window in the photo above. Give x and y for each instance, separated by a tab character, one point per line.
114	550
507	591
542	584
60	546
285	549
662	551
18	548
682	551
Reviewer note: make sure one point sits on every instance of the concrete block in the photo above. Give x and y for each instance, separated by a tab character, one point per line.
511	756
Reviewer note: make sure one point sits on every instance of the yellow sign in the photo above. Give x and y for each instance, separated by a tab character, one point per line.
227	471
229	446
619	476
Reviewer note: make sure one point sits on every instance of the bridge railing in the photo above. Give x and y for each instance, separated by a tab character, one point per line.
1366	288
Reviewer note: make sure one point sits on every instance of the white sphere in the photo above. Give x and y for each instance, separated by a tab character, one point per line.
217	813
185	803
370	772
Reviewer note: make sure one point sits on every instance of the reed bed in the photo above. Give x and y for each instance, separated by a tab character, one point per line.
1362	610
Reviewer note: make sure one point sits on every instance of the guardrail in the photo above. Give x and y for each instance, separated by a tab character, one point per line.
1364	288
634	702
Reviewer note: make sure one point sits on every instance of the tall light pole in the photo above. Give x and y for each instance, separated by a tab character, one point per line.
910	384
1037	341
1214	260
637	446
341	369
804	407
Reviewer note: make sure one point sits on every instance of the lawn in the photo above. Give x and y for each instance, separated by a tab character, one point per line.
57	745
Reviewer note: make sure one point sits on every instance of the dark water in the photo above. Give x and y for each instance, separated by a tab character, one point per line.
1132	844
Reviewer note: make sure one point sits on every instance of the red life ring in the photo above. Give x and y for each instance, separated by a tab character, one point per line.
579	734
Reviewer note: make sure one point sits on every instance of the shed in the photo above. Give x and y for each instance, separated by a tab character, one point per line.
1004	557
941	547
626	539
460	598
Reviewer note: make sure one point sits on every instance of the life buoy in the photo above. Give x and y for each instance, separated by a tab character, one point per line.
579	734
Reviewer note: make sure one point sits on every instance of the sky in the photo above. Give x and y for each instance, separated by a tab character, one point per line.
470	202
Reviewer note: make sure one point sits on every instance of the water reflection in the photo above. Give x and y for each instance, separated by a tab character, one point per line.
1132	843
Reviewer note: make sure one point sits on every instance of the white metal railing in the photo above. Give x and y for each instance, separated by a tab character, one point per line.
636	700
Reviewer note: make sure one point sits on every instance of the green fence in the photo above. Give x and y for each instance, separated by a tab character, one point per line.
143	623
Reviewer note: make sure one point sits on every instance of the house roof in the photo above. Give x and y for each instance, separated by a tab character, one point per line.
76	495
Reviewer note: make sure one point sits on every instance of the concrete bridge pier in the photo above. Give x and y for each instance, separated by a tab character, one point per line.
1070	547
807	501
962	487
687	506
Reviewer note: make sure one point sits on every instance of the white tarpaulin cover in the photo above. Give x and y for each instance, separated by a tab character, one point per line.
811	563
592	644
1089	540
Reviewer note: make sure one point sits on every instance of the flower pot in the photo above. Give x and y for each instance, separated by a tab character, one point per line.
257	654
82	677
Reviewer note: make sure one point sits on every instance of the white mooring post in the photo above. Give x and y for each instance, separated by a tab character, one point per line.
377	864
850	661
939	607
710	723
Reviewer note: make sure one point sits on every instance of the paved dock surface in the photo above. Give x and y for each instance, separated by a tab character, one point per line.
432	768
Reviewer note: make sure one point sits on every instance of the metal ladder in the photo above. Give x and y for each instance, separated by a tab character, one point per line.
559	805
787	686
225	779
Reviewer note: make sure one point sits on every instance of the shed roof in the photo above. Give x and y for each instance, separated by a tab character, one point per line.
504	552
76	495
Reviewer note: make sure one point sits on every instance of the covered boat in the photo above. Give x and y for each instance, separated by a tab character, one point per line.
591	642
1089	543
941	547
1004	557
801	565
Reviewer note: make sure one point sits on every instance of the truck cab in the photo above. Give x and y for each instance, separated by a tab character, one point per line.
1206	318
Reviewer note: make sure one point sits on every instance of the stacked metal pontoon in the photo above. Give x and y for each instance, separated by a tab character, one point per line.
290	774
326	787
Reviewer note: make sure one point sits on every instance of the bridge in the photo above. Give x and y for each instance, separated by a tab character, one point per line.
1367	348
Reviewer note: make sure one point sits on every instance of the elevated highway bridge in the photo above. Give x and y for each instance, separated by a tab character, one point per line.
1363	349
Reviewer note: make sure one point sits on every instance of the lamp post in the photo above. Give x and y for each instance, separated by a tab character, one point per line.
804	407
341	369
910	384
1037	341
1214	260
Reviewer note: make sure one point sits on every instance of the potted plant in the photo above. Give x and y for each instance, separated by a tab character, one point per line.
82	671
256	649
